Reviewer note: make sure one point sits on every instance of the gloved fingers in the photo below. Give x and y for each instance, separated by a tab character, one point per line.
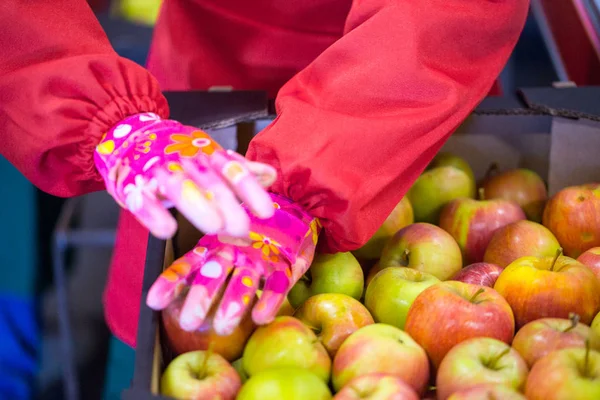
277	286
236	221
237	299
204	290
168	285
192	201
243	183
141	201
264	173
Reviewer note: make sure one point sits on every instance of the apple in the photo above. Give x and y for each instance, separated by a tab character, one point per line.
424	247
472	222
450	312
284	383
329	273
488	391
573	215
286	342
595	333
377	386
541	287
521	185
393	290
434	188
591	259
200	375
333	317
381	348
477	361
447	159
520	239
181	341
238	365
542	336
572	373
401	216
484	274
372	272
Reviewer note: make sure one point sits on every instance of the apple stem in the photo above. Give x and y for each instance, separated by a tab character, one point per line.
405	255
574	321
481	192
477	293
559	252
207	355
493	361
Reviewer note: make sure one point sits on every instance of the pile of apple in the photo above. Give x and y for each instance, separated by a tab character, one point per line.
469	290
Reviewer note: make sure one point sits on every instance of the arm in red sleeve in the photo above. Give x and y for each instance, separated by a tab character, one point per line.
361	122
61	86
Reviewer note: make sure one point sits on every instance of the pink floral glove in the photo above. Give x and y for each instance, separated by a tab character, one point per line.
150	164
278	249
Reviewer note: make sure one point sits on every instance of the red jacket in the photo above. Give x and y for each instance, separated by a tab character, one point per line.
367	93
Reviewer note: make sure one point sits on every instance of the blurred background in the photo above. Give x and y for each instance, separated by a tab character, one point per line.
558	46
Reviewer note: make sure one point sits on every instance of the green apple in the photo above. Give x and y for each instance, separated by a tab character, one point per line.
238	365
435	188
284	383
424	247
200	374
595	333
447	159
392	291
286	342
401	216
329	273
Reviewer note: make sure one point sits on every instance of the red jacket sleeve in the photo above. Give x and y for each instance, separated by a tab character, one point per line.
61	86
361	122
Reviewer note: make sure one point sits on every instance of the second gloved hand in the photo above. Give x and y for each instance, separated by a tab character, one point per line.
277	251
150	164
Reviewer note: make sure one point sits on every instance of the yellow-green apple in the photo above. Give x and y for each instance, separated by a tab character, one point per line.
573	215
381	348
284	383
555	287
520	239
286	342
595	333
238	365
329	273
200	375
572	374
450	312
333	317
401	216
377	386
434	188
393	290
484	274
472	222
521	185
181	341
591	259
478	361
488	391
424	247
447	159
542	336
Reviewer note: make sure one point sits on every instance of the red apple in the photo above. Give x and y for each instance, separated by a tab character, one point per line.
478	361
572	374
484	274
333	317
523	186
450	312
573	215
270	347
424	247
488	391
542	336
555	287
381	348
591	259
401	216
520	239
378	386
200	375
472	222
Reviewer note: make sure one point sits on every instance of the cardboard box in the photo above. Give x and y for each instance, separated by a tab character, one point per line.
555	132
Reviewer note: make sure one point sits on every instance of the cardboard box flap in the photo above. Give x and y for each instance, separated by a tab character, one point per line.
575	103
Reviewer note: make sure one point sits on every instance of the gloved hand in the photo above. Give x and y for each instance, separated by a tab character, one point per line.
278	249
150	164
